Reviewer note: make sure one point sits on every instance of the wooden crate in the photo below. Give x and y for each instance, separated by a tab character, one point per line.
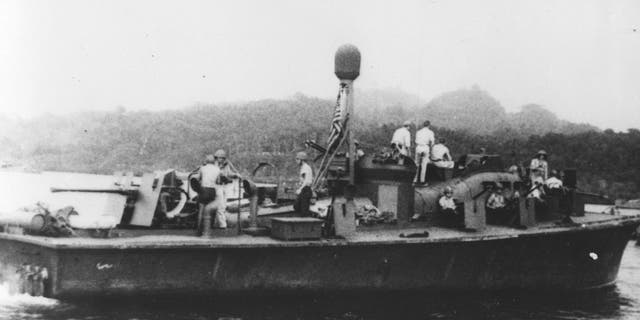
293	228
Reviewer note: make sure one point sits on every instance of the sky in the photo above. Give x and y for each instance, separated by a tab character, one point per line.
580	59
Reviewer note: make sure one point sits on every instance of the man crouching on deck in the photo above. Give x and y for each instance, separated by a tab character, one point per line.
303	192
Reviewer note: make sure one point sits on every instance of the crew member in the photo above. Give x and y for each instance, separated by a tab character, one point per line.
537	182
223	183
496	206
401	141
303	192
440	155
556	187
448	208
359	152
539	163
554	183
424	141
208	175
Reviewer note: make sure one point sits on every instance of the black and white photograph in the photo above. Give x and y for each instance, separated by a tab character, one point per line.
332	160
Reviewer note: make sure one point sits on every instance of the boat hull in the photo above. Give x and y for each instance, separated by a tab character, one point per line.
574	259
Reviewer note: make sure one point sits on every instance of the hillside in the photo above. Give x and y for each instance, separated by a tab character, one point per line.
272	130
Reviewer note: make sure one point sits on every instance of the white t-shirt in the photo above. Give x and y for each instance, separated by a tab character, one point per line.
540	164
553	183
425	137
209	174
447	203
306	175
496	201
402	136
439	151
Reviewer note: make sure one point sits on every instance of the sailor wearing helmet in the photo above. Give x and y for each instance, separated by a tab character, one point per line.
540	163
303	192
223	182
401	141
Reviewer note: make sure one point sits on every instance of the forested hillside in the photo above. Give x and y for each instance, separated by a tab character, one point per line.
273	130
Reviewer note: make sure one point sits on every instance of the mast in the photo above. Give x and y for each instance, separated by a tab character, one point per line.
347	69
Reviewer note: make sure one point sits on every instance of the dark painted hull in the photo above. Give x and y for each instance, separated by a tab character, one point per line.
573	259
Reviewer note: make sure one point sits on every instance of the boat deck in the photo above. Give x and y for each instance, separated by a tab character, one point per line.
149	239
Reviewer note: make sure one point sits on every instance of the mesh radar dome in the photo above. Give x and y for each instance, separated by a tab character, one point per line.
347	63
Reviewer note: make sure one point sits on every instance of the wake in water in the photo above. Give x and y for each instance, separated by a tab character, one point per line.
9	299
15	305
22	306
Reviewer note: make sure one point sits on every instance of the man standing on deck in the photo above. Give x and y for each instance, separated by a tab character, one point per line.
208	175
539	163
303	192
227	173
401	142
424	141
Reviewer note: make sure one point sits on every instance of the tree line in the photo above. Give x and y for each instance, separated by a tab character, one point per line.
273	130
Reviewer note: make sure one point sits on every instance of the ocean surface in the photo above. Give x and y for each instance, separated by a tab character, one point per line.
620	301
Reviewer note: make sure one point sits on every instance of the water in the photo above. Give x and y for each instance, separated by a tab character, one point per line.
621	301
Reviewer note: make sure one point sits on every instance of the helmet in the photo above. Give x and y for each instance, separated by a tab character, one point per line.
498	186
406	123
220	154
209	158
301	155
542	152
448	190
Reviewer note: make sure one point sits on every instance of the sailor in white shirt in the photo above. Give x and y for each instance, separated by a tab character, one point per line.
539	163
303	192
536	182
440	155
209	196
446	202
553	182
401	141
223	185
424	141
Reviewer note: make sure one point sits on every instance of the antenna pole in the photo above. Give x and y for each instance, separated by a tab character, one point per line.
347	69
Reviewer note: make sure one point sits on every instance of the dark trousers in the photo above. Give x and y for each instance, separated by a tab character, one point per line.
498	216
453	218
507	216
303	201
